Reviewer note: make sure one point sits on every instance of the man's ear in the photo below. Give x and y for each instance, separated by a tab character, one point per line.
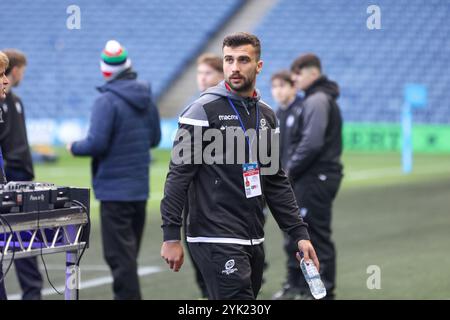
259	66
13	72
316	72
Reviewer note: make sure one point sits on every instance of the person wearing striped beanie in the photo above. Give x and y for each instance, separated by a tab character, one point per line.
124	126
114	60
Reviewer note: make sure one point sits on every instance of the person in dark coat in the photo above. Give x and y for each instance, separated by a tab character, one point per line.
289	104
314	166
124	126
18	161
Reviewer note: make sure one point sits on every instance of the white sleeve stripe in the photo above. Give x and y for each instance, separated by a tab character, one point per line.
193	122
244	242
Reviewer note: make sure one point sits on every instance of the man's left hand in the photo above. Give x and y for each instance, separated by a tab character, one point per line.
309	253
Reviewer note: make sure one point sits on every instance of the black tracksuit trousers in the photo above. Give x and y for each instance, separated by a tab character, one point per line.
230	271
315	195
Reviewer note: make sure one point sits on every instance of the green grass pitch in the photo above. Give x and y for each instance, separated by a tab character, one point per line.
381	217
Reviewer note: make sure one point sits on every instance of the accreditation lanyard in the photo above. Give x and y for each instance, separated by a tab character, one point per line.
250	171
243	127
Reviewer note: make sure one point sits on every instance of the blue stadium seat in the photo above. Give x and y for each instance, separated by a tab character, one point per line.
63	68
372	66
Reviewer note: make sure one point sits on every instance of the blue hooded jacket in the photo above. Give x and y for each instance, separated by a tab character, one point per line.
124	126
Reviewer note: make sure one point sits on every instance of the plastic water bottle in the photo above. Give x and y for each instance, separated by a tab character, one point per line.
312	277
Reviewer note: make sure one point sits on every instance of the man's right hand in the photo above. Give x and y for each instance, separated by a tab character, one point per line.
172	253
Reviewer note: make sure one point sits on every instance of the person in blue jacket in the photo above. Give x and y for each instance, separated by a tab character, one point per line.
124	126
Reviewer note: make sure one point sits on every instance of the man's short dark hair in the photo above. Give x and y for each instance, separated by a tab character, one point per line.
283	75
16	59
305	61
241	39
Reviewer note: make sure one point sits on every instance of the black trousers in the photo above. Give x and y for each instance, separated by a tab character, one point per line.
122	228
230	271
315	197
198	275
27	269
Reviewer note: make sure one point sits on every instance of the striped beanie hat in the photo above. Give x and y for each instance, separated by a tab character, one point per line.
114	59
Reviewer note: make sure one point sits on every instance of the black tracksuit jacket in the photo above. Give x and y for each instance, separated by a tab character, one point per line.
316	136
287	119
219	211
13	135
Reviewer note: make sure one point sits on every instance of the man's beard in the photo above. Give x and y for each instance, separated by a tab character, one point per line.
245	86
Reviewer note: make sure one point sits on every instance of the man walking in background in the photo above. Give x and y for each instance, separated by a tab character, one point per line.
314	162
289	104
18	161
124	126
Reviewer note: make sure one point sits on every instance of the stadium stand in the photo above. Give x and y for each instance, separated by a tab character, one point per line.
371	66
63	68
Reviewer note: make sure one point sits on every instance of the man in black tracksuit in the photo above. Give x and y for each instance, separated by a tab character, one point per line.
18	162
289	103
314	166
225	222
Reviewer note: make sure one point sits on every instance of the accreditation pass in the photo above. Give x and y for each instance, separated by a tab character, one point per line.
252	182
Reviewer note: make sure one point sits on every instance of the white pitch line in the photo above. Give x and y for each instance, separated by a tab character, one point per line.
56	267
97	282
